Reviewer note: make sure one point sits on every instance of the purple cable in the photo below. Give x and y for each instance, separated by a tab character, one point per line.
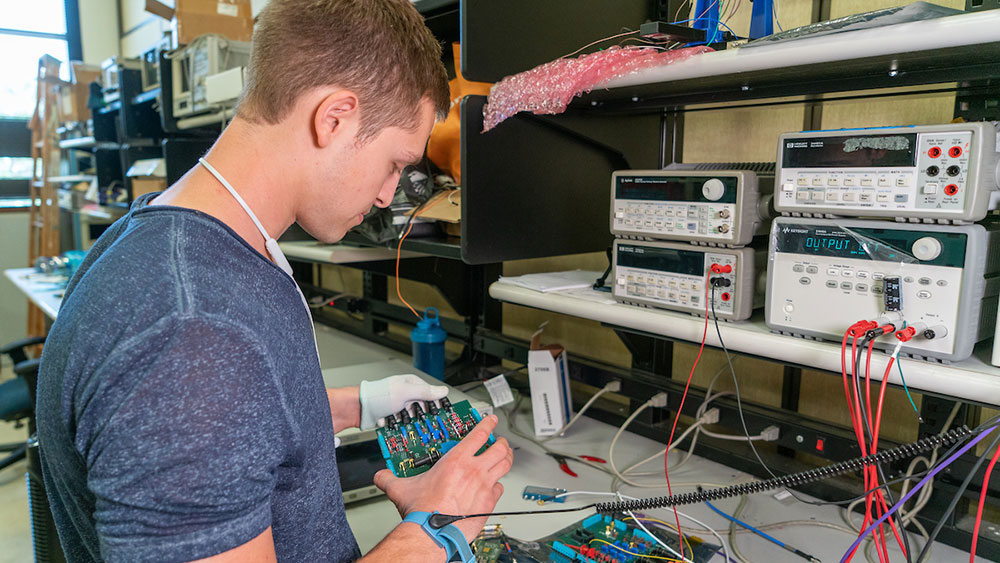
913	491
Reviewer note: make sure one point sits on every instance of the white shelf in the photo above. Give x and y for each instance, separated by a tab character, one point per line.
978	28
313	251
973	379
70	179
942	50
87	143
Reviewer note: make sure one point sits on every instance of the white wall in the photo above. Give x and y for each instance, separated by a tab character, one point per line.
13	254
99	29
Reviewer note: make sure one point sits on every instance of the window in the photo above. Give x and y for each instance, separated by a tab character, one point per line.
28	30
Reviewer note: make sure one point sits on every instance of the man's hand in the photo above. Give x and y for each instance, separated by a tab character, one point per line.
459	483
389	395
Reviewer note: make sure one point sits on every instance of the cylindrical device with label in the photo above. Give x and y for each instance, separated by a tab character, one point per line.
428	344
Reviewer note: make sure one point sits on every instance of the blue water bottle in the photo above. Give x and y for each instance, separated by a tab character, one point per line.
428	344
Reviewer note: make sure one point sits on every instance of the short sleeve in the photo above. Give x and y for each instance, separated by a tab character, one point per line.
185	465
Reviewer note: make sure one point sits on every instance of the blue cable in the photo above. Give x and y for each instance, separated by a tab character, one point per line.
767	537
745	525
899	367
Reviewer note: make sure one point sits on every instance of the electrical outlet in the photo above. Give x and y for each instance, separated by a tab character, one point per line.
658	400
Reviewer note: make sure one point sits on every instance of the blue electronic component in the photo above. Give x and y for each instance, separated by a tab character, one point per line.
762	19
563	549
384	448
443	427
706	17
478	418
543	494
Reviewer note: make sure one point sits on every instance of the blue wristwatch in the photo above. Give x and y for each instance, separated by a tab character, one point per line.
449	537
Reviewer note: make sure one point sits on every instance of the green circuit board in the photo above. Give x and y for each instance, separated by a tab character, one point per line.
412	443
619	540
597	539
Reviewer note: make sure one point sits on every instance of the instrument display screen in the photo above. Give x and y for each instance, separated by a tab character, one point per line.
863	151
684	189
885	245
662	259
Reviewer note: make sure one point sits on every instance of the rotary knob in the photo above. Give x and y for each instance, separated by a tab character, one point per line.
713	189
926	248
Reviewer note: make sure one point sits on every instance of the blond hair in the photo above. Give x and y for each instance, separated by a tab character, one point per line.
379	49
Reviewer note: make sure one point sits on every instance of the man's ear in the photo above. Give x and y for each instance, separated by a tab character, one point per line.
337	114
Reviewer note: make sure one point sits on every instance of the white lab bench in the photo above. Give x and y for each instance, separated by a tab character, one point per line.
371	520
44	290
974	379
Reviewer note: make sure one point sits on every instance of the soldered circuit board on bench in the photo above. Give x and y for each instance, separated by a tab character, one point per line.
597	539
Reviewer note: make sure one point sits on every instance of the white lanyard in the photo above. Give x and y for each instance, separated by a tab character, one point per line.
269	243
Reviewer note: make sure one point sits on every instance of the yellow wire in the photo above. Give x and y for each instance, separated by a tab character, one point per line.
671	526
637	554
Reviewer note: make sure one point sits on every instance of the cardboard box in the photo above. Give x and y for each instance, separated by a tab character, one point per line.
149	175
190	18
74	95
548	377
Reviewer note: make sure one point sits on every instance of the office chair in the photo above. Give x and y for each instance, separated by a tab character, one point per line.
17	402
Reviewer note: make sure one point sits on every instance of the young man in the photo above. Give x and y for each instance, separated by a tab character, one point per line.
181	408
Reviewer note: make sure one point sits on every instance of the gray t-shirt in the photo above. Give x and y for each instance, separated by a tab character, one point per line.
181	408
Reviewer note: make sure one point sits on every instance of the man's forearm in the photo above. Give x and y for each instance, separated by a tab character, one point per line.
406	543
345	407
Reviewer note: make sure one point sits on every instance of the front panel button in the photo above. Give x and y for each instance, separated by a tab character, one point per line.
845	285
805	280
798	268
812	269
924	294
832	284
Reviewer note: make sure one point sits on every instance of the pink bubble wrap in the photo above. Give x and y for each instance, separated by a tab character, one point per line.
548	88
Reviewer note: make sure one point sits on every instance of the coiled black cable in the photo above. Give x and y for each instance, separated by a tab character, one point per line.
905	451
886	456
